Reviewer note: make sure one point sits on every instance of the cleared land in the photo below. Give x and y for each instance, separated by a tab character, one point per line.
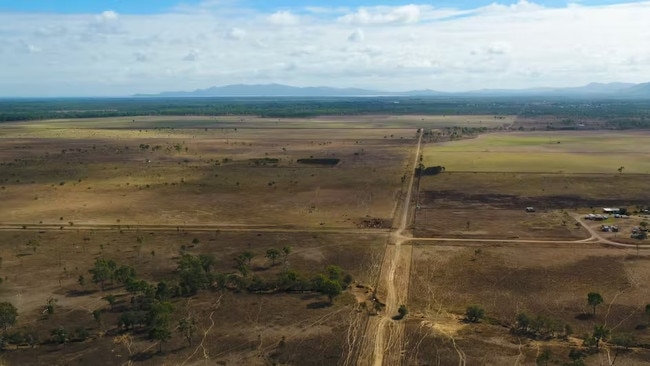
214	176
507	280
569	152
487	184
146	191
490	180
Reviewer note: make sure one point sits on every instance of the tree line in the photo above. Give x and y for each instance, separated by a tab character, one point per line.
151	308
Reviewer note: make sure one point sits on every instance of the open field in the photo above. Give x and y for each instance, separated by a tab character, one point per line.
254	122
489	181
157	193
510	279
249	327
570	152
213	176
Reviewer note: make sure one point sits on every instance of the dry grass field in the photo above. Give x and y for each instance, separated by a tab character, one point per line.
213	176
551	281
146	192
487	184
249	327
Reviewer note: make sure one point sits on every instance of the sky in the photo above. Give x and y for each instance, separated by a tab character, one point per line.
61	48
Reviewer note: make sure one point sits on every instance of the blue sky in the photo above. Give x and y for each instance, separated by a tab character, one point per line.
123	47
161	6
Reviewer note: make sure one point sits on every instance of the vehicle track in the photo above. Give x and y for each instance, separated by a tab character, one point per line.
385	336
397	236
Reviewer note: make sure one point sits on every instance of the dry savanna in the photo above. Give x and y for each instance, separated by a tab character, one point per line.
345	240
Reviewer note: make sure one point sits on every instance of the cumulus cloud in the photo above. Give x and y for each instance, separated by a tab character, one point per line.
105	23
107	16
283	18
383	15
382	47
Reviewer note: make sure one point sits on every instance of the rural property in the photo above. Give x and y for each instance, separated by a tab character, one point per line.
429	239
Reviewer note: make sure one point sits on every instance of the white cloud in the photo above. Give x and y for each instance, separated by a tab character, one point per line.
107	16
357	36
235	33
383	47
105	23
283	18
383	15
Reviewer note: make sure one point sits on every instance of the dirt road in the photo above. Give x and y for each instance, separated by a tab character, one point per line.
384	336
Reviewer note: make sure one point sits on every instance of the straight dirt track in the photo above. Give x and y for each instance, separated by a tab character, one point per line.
384	335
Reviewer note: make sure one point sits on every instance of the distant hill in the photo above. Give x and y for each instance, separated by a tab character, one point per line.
638	90
592	90
270	90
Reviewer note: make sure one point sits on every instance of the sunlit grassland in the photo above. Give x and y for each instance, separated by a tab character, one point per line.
554	152
102	175
218	122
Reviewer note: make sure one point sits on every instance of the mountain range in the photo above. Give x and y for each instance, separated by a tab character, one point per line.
592	90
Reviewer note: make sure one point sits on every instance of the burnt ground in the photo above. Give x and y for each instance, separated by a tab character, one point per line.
491	216
506	280
447	199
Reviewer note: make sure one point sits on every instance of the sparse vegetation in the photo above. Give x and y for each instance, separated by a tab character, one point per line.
474	313
260	261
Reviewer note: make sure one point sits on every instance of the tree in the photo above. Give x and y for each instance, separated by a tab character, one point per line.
600	333
207	262
59	335
160	333
327	287
594	299
159	319
523	323
402	311
160	314
248	256
193	274
286	250
8	315
644	224
123	274
81	281
474	313
102	271
111	300
272	254
589	341
187	327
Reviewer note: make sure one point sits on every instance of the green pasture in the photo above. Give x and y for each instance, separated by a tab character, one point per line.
212	122
556	152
